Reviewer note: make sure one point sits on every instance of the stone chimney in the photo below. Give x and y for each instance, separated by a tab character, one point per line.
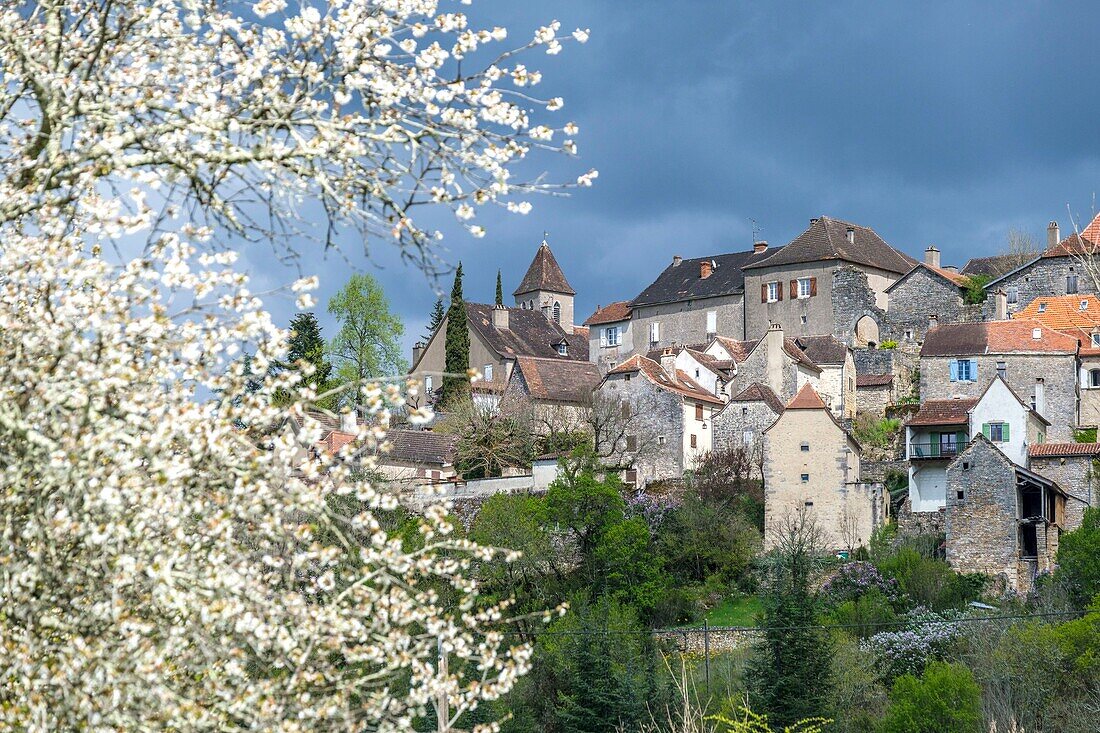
705	269
668	361
951	268
348	422
418	351
932	256
1000	306
500	318
676	260
851	234
1053	237
758	247
933	321
773	351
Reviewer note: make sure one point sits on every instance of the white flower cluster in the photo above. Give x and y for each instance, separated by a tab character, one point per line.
172	557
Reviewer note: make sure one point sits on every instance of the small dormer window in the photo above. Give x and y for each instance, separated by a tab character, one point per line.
1096	340
1036	333
563	348
1042	307
1084	305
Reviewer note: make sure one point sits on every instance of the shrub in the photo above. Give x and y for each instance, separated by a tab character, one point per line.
1079	559
870	430
888	344
945	699
975	289
926	637
929	581
853	579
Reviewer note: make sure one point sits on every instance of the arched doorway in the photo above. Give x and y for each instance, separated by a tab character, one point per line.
866	332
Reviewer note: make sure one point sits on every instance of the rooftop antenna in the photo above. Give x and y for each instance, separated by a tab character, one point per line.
755	230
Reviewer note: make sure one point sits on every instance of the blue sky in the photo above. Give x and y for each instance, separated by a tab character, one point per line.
947	123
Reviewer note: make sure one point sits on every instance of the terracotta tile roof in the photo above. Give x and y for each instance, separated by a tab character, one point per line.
995	337
617	311
757	392
559	380
681	383
943	412
1092	231
799	355
739	350
954	278
529	333
1051	450
827	239
874	380
992	267
1063	313
544	274
721	367
807	399
822	349
580	331
683	281
1076	244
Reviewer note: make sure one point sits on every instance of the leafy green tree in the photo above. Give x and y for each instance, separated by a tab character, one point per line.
456	386
368	342
705	539
945	699
791	670
435	320
518	522
1079	559
500	291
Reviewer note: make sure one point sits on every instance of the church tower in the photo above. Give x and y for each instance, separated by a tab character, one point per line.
545	288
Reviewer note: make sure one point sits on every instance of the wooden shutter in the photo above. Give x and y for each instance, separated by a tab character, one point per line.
985	430
954	366
694	442
794	289
935	444
813	286
973	370
698	412
779	287
1004	433
763	292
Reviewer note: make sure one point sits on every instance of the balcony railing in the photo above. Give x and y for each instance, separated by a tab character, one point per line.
930	449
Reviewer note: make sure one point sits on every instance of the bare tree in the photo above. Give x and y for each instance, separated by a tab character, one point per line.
1022	247
491	438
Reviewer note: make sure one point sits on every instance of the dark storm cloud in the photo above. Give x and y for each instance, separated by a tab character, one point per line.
931	122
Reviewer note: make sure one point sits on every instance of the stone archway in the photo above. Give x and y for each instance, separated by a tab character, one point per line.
866	332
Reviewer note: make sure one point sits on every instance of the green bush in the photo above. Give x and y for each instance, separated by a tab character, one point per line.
1079	559
929	581
1085	435
945	699
975	289
888	344
866	615
880	433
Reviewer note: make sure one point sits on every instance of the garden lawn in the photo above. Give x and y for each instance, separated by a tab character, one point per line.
739	611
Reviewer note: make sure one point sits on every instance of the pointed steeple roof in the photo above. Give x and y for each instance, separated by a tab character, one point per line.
544	274
807	399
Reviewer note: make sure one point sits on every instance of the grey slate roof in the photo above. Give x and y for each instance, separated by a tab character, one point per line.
421	447
827	239
757	392
990	266
682	282
822	349
559	380
529	333
544	274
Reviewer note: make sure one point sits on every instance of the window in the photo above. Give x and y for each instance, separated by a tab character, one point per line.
997	432
1094	378
694	442
747	437
1002	370
563	349
1096	339
959	495
1042	307
966	465
808	504
745	410
557	312
428	385
698	412
803	320
1013	295
697	373
660	440
1084	305
773	293
964	370
487	372
611	336
631	443
908	334
632	476
654	332
804	287
712	322
805	447
1071	284
805	478
625	408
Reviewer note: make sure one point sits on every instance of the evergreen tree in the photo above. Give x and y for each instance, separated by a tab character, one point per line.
435	320
500	291
307	346
456	385
599	698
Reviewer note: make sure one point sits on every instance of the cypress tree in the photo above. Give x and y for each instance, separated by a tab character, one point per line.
500	290
436	318
456	387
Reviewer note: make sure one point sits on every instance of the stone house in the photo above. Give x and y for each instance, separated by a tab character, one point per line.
925	290
942	429
1002	520
1056	271
957	360
772	360
693	300
992	267
610	336
556	392
675	431
742	422
711	373
1077	316
874	393
838	372
831	279
1075	467
811	464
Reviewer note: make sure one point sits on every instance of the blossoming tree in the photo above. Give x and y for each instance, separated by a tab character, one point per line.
161	567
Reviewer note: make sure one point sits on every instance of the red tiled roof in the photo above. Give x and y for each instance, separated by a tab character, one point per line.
1075	245
995	337
1063	312
757	392
738	350
874	380
559	380
617	311
1047	450
807	399
680	383
943	412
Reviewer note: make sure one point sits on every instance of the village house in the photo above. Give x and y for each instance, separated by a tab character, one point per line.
1077	316
740	425
676	432
693	300
837	382
1075	467
1040	365
1058	270
540	326
942	429
1002	520
993	267
925	290
610	337
811	464
557	393
875	393
831	279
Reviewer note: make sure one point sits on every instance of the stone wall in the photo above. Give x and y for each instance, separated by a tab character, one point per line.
1046	277
1023	372
874	400
981	527
852	299
769	364
685	322
914	524
1078	476
735	419
660	437
916	297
